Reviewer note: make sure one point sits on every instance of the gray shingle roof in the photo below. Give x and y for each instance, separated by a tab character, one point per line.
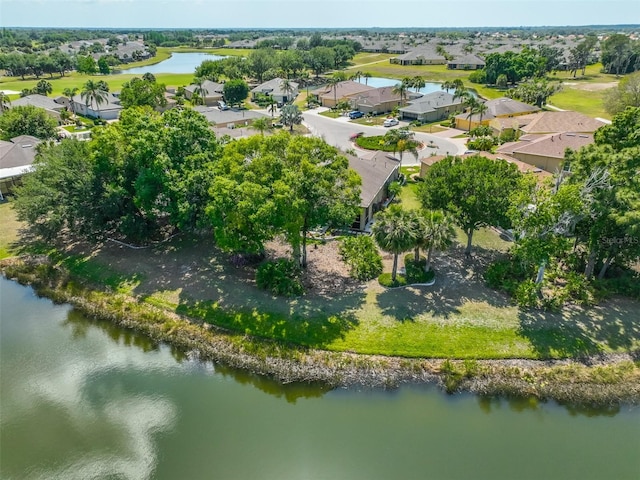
374	173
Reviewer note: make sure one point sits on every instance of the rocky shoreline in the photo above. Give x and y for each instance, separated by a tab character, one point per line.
605	380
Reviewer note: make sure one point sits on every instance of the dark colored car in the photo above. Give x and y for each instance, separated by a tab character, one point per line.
355	136
355	114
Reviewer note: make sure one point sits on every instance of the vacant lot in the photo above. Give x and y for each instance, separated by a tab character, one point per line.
458	317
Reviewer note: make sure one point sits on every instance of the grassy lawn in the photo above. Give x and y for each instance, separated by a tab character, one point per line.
75	79
589	103
429	128
365	58
331	113
9	229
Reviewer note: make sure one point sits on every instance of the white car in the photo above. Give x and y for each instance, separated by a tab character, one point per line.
390	122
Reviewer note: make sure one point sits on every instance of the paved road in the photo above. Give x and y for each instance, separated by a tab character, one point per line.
337	131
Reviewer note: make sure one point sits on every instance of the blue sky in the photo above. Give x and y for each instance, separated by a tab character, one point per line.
314	13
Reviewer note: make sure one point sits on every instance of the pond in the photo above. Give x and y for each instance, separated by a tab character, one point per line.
83	399
390	82
177	63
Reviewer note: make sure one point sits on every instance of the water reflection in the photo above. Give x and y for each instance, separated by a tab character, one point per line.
291	392
488	405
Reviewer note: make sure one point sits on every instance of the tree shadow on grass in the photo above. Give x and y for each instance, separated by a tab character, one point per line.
580	332
458	281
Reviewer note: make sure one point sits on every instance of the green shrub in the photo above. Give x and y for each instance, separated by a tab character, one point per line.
526	294
280	277
385	280
478	76
484	144
362	256
578	288
505	275
376	142
415	272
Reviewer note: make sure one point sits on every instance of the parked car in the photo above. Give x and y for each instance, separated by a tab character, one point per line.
355	114
222	105
390	122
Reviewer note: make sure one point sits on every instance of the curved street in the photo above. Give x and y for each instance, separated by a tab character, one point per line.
337	131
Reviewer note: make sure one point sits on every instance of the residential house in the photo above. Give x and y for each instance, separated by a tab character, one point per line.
421	55
496	108
16	158
545	151
432	107
108	110
213	92
558	122
466	62
230	118
377	170
379	100
275	89
50	105
330	95
427	162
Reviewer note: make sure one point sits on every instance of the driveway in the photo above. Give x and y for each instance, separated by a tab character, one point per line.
337	131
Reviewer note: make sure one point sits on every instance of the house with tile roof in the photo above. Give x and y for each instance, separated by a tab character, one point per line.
330	95
377	170
50	105
108	110
466	62
16	158
213	92
379	100
540	174
545	151
496	108
557	122
432	107
275	89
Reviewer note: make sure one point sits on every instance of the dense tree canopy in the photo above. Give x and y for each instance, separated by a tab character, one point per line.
27	120
475	191
140	92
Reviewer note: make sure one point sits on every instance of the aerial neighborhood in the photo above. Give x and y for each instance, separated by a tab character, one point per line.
445	193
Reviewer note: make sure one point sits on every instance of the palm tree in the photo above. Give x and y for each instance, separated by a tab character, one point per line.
4	102
418	82
290	115
356	76
333	81
94	92
43	88
261	125
366	76
447	86
393	232
481	108
402	140
200	89
272	107
287	88
70	93
434	230
472	103
400	89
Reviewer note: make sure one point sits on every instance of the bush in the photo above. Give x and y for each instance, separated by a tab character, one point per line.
362	256
505	275
484	144
385	280
579	289
526	294
280	277
376	142
478	76
415	270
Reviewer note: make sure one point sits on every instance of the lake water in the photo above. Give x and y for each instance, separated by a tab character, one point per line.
82	399
177	63
390	82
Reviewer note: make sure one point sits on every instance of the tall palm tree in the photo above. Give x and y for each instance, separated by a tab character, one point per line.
418	82
402	140
481	108
472	104
93	92
447	86
356	76
333	82
4	102
366	76
400	89
70	93
261	125
200	89
434	230
393	232
287	88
